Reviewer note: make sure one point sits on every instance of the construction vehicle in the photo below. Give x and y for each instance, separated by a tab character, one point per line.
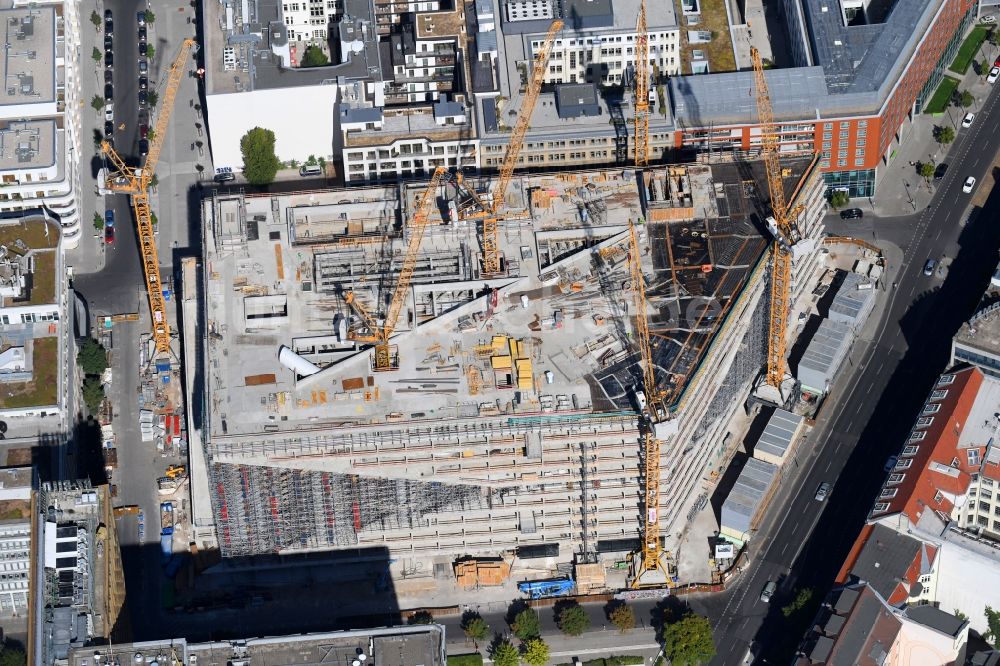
782	227
489	210
385	357
174	471
641	148
129	509
136	182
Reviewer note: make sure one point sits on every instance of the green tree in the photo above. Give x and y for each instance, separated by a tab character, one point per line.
993	622
314	57
152	98
150	51
504	653
93	393
944	134
572	619
839	198
688	641
475	628
12	656
260	164
622	616
800	601
99	225
97	102
150	16
92	358
526	625
535	652
926	170
96	55
95	18
964	99
421	617
959	614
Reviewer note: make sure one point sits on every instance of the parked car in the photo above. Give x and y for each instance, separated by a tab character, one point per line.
967	120
891	462
143	97
109	59
140	17
822	492
109	43
929	267
969	184
224	175
109	76
109	92
143	131
143	66
109	112
143	147
940	171
109	22
143	83
142	33
769	589
851	214
109	235
988	20
109	128
109	218
142	48
993	75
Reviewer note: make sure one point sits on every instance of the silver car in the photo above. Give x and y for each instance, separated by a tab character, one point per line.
768	591
822	492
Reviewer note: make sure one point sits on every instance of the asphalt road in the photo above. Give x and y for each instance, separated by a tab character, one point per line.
889	381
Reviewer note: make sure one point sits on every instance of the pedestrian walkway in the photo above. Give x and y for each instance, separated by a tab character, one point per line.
901	190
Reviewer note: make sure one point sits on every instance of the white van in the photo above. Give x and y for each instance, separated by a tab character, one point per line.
310	170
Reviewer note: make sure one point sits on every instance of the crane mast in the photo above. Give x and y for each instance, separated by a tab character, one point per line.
380	334
641	148
490	209
136	182
784	230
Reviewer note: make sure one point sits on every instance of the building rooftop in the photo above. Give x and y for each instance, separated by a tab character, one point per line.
779	433
29	63
853	300
751	488
885	561
29	144
825	350
936	619
982	330
272	286
865	634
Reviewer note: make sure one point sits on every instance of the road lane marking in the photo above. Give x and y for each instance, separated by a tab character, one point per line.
828	463
869	389
785	548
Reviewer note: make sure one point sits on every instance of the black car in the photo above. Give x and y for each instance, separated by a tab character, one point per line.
851	214
143	98
109	59
142	33
109	20
109	128
108	76
143	147
109	93
142	49
143	83
109	43
940	171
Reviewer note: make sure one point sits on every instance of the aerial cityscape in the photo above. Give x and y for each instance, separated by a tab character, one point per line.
500	332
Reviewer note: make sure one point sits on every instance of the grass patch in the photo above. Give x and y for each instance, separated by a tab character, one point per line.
41	390
15	509
43	279
967	52
474	659
720	50
942	96
31	233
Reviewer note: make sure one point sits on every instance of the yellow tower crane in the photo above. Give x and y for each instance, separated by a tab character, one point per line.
641	147
489	210
136	182
782	225
379	334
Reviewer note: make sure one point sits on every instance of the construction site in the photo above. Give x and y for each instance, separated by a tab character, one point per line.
480	414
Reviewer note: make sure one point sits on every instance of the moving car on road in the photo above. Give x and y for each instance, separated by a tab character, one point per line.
969	184
967	120
851	214
929	270
768	591
822	492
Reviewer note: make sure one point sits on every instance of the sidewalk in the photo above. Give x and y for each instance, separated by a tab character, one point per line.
901	191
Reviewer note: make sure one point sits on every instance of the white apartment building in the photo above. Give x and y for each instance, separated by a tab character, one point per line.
605	58
15	563
39	114
307	20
